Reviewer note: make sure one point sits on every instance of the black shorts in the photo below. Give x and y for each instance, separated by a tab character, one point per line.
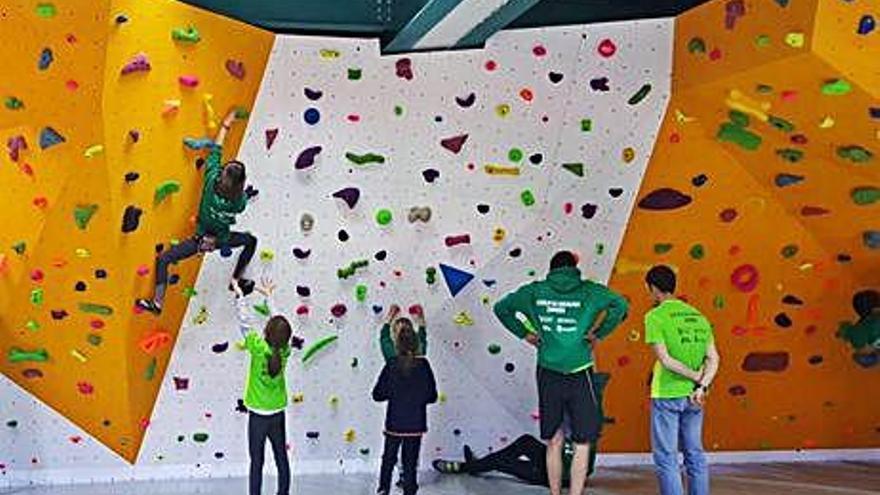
569	397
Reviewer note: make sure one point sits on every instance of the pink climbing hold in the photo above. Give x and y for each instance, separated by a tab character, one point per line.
788	95
302	310
734	10
235	68
188	81
715	54
338	310
745	278
454	143
138	63
71	85
271	135
607	48
15	145
539	50
37	275
455	240
490	65
353	117
728	215
143	270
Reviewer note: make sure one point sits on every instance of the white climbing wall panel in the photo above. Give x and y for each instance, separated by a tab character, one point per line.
530	102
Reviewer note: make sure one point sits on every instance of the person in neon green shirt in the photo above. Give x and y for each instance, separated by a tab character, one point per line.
687	361
266	390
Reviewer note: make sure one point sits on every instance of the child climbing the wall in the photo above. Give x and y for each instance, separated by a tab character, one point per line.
407	384
223	197
266	390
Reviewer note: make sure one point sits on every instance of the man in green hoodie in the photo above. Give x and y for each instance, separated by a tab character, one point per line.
562	316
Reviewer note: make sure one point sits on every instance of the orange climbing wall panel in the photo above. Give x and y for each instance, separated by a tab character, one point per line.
96	374
819	399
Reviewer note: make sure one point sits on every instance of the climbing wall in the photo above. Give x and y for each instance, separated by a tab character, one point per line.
763	192
424	175
94	124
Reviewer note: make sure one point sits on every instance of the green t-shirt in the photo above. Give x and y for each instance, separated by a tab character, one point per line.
216	213
264	393
686	333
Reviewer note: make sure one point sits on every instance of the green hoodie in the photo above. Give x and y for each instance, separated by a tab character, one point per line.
216	213
563	308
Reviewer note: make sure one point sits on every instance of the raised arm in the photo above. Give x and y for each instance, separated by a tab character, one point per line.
224	128
386	343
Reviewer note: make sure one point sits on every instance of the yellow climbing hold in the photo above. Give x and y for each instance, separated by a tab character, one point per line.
334	401
827	122
441	398
298	398
795	40
210	113
681	118
628	155
495	169
93	151
267	255
328	54
502	110
82	253
201	316
349	435
485	300
499	234
78	355
634	336
627	267
463	319
736	100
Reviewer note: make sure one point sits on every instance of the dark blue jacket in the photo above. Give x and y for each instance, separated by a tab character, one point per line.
408	395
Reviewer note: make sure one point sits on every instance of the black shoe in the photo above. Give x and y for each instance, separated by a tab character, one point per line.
469	454
246	285
448	467
149	305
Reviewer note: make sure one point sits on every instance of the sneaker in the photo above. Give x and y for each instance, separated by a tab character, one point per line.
447	467
246	285
149	305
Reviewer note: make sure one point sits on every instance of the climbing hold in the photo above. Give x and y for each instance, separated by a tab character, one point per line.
430	275
745	278
867	24
762	41
789	251
575	168
495	169
454	143
494	349
349	194
527	197
795	40
329	54
502	110
606	48
13	103
306	222
37	296
200	437
855	154
628	155
165	189
83	213
360	293
383	216
98	309
351	269
737	391
319	345
865	195
188	81
836	87
46	10
313	94
306	157
46	59
365	159
640	95
312	116
235	68
697	252
50	137
354	74
588	210
739	118
403	69
782	320
664	199
131	219
455	240
662	248
814	211
301	254
138	63
338	310
696	45
515	155
467	101
871	239
792	300
271	135
463	319
153	341
430	175
774	362
419	213
780	123
733	10
483	208
186	35
93	151
456	279
526	94
586	125
785	180
15	145
18	355
499	234
732	133
790	155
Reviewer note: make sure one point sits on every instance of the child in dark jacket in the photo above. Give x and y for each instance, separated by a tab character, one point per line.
407	383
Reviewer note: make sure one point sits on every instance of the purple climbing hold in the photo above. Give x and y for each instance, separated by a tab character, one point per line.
349	194
271	135
303	291
874	112
131	219
403	69
700	180
785	180
600	84
313	94
220	348
454	143
588	210
306	158
430	174
466	102
664	199
338	310
301	254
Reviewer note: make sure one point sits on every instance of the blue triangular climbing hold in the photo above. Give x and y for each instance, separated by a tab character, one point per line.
49	137
455	279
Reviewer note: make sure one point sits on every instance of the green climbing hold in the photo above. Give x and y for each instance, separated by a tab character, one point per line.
317	346
13	103
189	292
789	251
532	272
575	168
515	155
836	87
527	197
430	275
94	339
32	325
662	248
718	302
494	349
586	125
150	372
698	252
360	292
865	195
733	133
600	249
739	118
82	214
165	189
855	154
764	89
696	45
762	40
384	216
200	437
37	296
19	247
351	269
46	10
97	309
186	35
398	110
365	158
18	355
354	74
780	123
790	155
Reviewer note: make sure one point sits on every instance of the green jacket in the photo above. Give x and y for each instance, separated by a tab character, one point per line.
216	213
386	343
562	309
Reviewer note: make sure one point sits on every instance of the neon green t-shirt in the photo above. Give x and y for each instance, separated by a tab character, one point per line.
264	393
686	333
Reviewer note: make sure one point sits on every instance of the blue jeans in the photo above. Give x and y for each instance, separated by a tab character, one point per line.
677	425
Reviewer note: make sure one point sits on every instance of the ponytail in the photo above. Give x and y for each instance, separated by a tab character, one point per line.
278	334
275	362
407	345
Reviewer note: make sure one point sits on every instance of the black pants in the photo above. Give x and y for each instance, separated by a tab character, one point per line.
190	247
525	458
259	429
411	447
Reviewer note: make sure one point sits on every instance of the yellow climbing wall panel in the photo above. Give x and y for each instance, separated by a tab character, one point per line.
786	207
96	373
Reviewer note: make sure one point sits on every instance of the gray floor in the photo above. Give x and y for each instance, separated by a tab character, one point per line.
843	478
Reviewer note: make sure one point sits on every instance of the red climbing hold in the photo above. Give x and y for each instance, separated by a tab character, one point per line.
814	211
607	48
539	51
745	278
454	143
